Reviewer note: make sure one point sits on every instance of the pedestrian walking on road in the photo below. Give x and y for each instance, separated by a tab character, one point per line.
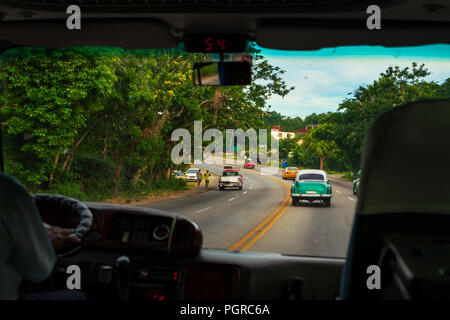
199	178
207	175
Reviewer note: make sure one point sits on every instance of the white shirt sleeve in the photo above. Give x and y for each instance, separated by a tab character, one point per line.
32	253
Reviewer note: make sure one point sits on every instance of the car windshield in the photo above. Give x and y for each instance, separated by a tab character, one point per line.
311	176
109	125
291	169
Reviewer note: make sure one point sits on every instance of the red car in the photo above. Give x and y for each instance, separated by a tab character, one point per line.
249	164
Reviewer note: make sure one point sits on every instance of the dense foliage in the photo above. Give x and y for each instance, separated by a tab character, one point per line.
96	122
337	142
289	124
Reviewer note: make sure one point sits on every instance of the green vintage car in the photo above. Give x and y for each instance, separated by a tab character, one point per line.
356	183
311	185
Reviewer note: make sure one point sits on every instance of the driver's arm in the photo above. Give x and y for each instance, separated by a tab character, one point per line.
31	250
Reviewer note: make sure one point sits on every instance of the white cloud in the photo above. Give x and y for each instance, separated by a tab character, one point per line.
321	83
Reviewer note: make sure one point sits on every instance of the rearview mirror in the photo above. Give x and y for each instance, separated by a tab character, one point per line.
222	73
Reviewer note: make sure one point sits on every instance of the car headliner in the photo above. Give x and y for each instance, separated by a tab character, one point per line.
295	26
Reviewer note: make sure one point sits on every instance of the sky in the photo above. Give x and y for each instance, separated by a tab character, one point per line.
324	78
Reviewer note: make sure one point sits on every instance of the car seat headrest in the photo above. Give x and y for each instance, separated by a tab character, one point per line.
405	159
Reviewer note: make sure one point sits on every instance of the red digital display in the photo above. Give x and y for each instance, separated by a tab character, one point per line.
218	44
215	43
155	295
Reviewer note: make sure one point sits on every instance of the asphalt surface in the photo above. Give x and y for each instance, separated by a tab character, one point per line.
260	217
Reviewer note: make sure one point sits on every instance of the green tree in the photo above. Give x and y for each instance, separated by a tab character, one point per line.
48	97
320	142
394	88
286	146
273	118
93	119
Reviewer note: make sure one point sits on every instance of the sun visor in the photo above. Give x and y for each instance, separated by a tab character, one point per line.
329	34
132	34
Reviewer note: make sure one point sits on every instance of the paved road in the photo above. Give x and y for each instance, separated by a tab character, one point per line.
312	229
261	218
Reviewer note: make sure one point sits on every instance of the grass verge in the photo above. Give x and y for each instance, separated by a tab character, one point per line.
128	194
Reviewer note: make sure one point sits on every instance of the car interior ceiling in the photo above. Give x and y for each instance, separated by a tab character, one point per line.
382	233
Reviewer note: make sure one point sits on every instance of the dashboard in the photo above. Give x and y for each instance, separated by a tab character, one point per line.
145	254
139	229
134	230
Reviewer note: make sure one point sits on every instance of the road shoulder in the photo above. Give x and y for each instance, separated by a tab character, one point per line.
192	191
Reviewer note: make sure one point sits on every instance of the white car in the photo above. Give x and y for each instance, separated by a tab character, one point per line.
177	174
191	174
230	179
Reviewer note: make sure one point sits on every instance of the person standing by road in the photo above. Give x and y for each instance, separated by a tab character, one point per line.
207	174
199	178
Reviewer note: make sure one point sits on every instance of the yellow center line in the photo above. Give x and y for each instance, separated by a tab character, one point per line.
279	210
263	231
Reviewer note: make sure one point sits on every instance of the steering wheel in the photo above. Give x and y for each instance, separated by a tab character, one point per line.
67	205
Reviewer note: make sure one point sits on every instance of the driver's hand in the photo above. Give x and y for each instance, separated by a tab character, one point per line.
59	236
